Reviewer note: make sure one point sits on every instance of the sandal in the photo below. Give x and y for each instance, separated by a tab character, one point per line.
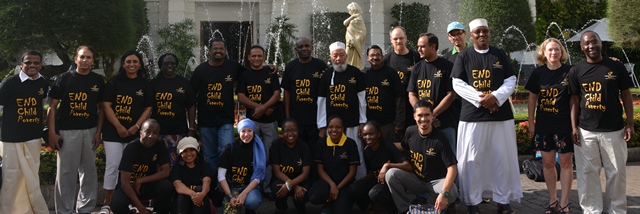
561	211
551	208
105	210
504	209
473	209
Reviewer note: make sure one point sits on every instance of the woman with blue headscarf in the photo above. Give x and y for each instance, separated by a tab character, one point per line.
241	169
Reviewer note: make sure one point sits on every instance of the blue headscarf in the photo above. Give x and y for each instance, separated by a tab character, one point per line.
259	156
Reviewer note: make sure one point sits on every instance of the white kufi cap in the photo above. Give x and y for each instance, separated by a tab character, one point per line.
477	23
336	46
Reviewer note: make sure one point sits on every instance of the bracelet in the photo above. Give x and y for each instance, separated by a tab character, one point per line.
137	126
288	184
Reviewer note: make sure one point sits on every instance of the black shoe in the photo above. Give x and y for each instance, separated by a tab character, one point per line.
473	209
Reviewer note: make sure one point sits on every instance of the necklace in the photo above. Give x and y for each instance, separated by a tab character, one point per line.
424	136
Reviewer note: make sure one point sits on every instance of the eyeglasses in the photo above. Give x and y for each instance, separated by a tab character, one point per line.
29	63
485	31
454	34
290	131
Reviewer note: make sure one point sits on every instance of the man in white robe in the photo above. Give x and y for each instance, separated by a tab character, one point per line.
342	92
487	152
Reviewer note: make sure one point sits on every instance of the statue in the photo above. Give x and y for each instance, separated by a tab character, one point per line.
356	34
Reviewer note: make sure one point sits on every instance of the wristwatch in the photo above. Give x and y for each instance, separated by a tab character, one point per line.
445	194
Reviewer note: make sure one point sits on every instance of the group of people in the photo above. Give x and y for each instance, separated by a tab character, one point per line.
413	124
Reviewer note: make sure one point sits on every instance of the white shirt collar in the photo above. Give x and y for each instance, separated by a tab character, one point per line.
482	51
25	77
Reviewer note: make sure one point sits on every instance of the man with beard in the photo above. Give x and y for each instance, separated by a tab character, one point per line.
402	60
213	82
342	92
300	83
144	172
487	156
384	93
21	96
431	81
595	86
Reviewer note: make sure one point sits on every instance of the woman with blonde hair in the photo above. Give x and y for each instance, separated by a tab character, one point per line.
549	92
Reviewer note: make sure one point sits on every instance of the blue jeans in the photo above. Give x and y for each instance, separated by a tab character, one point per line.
253	200
450	134
214	139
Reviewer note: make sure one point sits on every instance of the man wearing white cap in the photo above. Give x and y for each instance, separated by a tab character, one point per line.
342	92
487	153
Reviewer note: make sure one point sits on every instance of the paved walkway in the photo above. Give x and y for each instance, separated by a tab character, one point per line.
534	201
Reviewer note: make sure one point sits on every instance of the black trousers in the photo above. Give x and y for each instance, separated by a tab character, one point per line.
281	203
161	193
380	194
182	204
319	193
359	191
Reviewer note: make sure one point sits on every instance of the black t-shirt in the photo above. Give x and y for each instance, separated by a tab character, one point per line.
214	88
23	111
291	160
259	86
127	102
142	161
342	96
431	81
337	159
485	73
383	86
191	177
402	64
450	56
302	81
430	156
599	85
237	158
553	114
79	96
170	99
386	153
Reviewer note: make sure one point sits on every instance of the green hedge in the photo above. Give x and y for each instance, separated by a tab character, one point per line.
327	28
414	18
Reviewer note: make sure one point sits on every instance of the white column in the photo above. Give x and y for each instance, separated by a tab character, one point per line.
176	11
377	31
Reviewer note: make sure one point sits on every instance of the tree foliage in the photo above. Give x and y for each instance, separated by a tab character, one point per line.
281	42
502	15
178	38
327	28
570	15
414	18
61	25
624	17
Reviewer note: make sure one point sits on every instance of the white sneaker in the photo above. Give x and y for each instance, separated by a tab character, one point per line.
105	210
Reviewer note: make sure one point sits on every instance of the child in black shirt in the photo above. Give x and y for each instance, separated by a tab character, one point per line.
191	179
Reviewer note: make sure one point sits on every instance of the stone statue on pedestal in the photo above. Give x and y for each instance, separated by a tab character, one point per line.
356	34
